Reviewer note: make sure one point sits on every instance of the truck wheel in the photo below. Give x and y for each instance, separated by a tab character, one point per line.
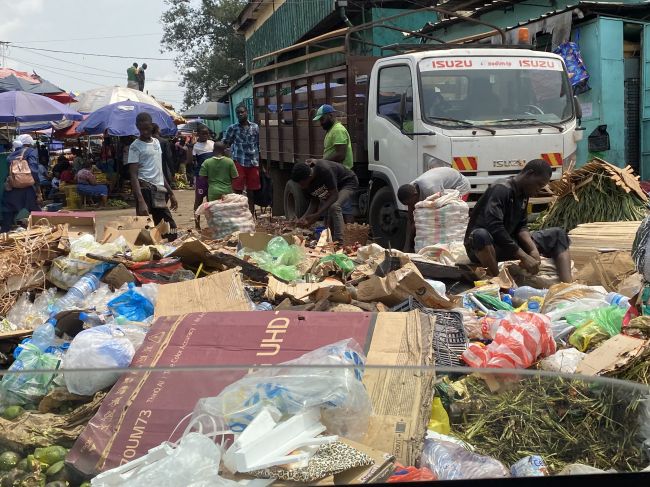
295	203
388	225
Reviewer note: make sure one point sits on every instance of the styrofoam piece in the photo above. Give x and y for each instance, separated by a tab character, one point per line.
263	447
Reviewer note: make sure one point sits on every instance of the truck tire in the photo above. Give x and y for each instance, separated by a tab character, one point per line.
295	203
388	225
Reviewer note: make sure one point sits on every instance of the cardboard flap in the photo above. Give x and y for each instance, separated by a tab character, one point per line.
612	355
222	291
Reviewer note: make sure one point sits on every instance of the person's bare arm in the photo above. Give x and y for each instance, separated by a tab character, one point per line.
137	192
340	151
527	244
306	218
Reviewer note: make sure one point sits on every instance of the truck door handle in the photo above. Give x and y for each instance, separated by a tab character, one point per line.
376	154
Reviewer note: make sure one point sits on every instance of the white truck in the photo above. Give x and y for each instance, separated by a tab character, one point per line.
484	111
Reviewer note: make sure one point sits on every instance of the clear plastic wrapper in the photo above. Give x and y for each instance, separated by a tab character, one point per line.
449	461
339	392
97	348
27	315
66	271
565	361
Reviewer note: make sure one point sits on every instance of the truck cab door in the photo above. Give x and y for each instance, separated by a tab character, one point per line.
390	118
392	154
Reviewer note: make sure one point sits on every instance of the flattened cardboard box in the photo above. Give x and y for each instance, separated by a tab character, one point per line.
143	409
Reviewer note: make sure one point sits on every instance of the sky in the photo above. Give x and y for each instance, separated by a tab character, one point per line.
133	27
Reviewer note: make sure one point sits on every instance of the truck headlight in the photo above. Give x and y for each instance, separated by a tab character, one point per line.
429	162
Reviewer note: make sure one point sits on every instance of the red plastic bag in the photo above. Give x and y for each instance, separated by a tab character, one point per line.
156	271
410	474
521	340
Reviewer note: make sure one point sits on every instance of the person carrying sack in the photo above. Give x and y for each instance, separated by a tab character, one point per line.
22	190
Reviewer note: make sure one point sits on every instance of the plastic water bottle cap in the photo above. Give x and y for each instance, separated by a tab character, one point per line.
83	316
533	306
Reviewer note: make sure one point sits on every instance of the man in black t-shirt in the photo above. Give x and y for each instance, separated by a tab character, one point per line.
329	185
498	231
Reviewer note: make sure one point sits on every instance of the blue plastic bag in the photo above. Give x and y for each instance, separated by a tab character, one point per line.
132	305
575	66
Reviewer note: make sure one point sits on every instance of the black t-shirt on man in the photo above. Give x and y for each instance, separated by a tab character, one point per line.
329	175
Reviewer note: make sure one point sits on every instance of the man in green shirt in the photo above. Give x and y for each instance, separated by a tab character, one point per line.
217	173
132	77
338	146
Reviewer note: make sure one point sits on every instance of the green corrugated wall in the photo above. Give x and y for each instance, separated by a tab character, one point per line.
288	24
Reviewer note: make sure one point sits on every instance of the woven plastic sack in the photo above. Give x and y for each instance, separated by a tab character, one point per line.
227	216
440	219
521	340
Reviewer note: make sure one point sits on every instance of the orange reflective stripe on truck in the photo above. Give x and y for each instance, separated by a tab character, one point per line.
465	163
553	158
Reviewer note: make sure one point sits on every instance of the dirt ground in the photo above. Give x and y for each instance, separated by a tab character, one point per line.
184	216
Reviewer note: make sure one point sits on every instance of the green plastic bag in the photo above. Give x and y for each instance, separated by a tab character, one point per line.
595	326
342	261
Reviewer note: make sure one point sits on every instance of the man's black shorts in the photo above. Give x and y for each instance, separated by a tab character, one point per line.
550	242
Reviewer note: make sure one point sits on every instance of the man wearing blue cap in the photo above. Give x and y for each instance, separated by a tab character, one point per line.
338	146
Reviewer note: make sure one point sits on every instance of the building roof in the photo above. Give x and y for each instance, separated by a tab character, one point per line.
590	6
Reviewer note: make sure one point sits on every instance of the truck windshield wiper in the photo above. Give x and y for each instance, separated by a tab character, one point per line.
465	123
534	120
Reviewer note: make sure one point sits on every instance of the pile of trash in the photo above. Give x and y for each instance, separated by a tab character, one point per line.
131	300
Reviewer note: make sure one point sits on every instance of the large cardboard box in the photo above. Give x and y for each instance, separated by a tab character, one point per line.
144	409
79	222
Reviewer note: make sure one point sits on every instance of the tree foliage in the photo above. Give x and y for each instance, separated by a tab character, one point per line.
211	53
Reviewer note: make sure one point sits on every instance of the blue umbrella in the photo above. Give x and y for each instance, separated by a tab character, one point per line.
20	106
119	119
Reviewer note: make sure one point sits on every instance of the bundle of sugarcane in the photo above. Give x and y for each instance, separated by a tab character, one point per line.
564	421
597	192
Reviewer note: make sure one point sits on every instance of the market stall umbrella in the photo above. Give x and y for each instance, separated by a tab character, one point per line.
12	80
118	119
92	100
208	109
20	106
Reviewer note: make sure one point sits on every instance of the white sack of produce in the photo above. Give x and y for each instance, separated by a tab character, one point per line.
100	347
440	219
227	215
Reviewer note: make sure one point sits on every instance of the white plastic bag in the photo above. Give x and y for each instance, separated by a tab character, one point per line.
450	461
337	391
565	361
440	219
97	348
227	215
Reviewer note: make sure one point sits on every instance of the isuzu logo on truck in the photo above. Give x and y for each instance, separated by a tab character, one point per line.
452	63
538	63
509	163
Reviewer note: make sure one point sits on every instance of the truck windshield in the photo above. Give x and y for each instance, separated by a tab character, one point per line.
493	96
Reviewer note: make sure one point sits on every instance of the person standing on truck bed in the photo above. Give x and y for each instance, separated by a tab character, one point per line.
337	146
497	229
427	184
243	139
329	186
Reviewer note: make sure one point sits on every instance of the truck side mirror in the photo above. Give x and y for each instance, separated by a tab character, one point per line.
578	108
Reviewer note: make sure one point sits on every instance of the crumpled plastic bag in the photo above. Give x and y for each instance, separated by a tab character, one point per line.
100	347
28	388
338	391
86	244
27	315
565	361
193	463
449	461
561	295
595	326
520	340
132	304
66	271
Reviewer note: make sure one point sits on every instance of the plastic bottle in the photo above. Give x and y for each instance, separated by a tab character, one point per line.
264	306
84	287
619	300
526	292
44	336
91	319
